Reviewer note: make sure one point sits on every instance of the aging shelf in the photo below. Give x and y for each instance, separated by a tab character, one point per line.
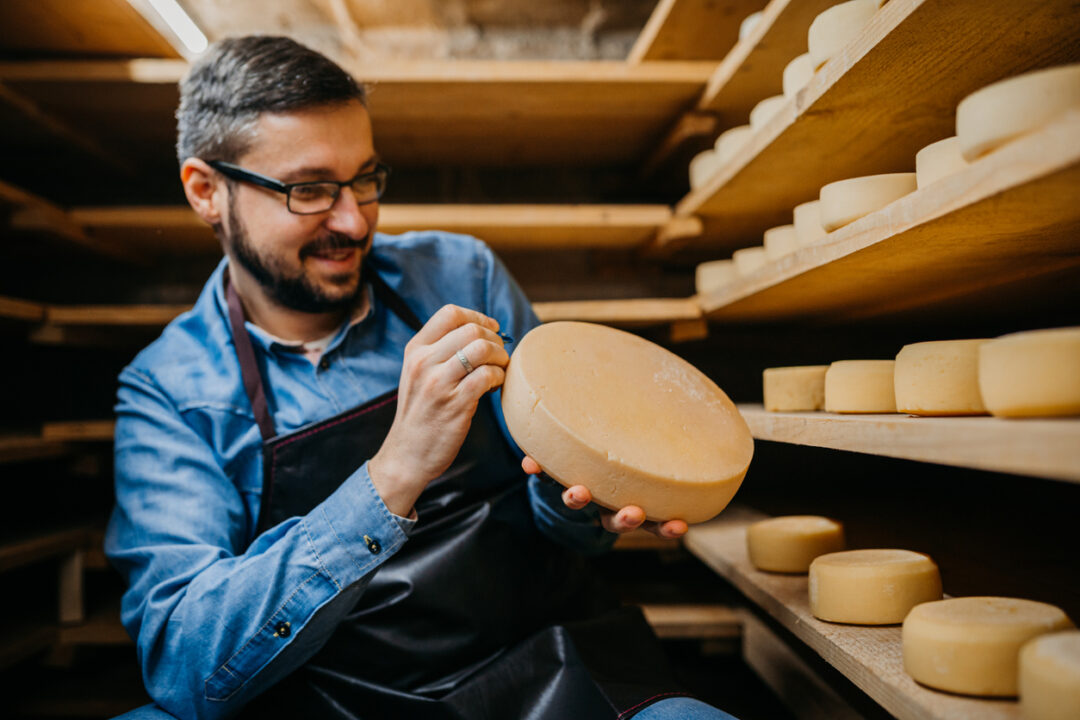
691	29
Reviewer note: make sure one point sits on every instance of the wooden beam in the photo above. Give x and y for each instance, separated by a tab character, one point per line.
21	310
24	448
79	431
113	315
692	29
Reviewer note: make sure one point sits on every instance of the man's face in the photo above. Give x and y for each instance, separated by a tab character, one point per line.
309	263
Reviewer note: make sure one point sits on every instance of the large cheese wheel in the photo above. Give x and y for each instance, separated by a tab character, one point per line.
789	544
1050	677
860	386
994	115
765	110
711	276
797	75
845	201
836	27
634	423
703	167
871	587
749	260
938	160
939	378
731	141
1031	374
794	389
780	241
971	645
808	222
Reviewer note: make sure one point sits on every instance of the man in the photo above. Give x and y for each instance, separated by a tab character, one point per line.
319	512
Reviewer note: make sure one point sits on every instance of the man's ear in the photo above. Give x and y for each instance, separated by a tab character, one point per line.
205	190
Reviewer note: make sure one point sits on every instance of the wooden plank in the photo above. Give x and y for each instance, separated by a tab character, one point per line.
1009	218
79	431
113	315
691	29
23	448
24	552
645	540
652	311
1039	448
21	310
868	656
70	588
80	28
693	622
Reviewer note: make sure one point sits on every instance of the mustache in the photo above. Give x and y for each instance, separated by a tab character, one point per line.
335	241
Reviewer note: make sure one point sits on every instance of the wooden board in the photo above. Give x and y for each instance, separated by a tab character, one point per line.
79	430
23	448
692	29
23	552
654	311
868	656
21	310
693	622
645	540
103	28
1041	448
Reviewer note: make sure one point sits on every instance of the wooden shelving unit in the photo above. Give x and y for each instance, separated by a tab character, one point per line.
692	29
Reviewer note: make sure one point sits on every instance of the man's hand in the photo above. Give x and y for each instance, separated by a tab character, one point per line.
629	518
437	398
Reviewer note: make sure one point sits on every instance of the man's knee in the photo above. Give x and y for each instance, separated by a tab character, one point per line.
682	708
146	712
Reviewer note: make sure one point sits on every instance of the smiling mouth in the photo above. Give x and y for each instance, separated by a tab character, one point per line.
338	254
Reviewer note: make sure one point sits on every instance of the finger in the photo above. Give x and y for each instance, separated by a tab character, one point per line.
477	354
627	519
459	338
576	497
448	318
672	529
530	466
484	378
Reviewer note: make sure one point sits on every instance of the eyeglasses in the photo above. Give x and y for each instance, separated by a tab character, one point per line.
311	198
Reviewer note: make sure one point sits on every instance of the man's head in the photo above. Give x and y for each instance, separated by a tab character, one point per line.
274	107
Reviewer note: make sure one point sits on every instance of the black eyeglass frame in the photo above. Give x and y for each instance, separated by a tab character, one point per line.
379	174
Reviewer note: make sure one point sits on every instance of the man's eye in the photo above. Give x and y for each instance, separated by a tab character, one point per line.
312	192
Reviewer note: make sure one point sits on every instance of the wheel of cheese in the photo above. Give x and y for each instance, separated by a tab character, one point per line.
845	201
1031	374
808	222
939	378
1049	680
994	115
871	587
789	544
794	389
971	645
748	24
702	167
731	142
836	27
780	241
860	386
749	260
938	160
711	276
634	423
765	111
797	75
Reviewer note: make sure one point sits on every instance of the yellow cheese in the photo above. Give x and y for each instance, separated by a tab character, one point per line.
994	115
1050	677
845	201
971	645
789	544
1031	374
871	587
634	423
711	276
749	260
797	75
748	24
808	222
860	386
939	378
794	389
731	142
938	160
836	27
765	110
703	167
780	241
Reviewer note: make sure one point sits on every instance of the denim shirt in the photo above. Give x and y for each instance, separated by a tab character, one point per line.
218	613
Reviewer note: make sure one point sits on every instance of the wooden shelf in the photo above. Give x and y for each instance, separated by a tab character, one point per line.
24	552
629	313
891	92
79	431
869	656
691	29
32	215
694	622
103	28
1040	448
21	448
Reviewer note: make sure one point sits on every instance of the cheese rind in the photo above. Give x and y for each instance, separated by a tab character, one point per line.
702	167
871	587
939	378
938	160
780	241
971	645
836	27
797	74
808	222
789	544
794	389
845	201
711	276
631	421
1031	374
765	110
860	386
1049	681
731	141
749	260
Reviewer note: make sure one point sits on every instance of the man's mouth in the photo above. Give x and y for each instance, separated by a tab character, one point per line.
337	254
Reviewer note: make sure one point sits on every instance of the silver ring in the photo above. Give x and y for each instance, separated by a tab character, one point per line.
465	362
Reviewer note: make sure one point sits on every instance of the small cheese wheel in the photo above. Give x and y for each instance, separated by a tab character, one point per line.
797	75
836	27
633	422
845	201
939	378
794	389
732	141
860	386
998	113
1031	374
749	260
789	544
938	160
711	276
871	587
1049	682
702	167
748	24
808	222
780	241
971	645
765	111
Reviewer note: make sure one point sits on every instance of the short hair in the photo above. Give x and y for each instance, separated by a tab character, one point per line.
237	79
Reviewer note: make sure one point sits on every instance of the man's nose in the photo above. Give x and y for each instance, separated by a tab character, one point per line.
345	216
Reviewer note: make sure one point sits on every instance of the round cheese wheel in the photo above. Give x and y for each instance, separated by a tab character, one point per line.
938	160
731	142
702	167
789	544
1049	681
860	386
749	260
871	587
794	389
797	75
808	222
836	27
971	645
1031	374
994	115
845	201
748	24
780	241
711	276
765	111
939	378
633	422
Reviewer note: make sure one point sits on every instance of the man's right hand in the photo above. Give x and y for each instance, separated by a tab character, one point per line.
436	402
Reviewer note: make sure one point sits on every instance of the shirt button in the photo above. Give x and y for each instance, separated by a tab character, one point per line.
372	545
324	364
283	630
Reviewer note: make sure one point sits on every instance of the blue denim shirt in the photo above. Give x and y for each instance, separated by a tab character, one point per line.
207	598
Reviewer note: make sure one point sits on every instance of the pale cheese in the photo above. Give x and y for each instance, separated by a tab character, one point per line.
731	141
808	222
780	241
939	378
702	167
938	160
845	201
860	386
871	587
789	544
711	276
1031	374
765	111
1049	682
794	389
836	27
749	260
797	75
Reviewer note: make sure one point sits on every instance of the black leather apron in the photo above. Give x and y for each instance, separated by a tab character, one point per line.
478	616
